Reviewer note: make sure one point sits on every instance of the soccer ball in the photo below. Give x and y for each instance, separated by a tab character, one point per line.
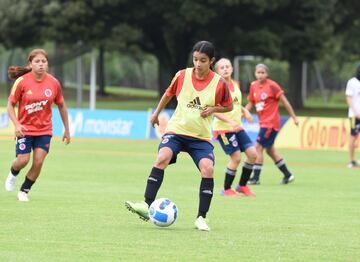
163	212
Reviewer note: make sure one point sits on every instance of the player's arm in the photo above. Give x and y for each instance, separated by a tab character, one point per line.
19	128
250	100
247	115
229	121
249	106
223	101
173	89
208	110
289	108
165	99
65	119
13	99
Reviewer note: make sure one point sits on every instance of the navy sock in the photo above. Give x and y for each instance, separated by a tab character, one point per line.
205	195
26	186
14	172
282	166
257	171
153	184
229	178
246	173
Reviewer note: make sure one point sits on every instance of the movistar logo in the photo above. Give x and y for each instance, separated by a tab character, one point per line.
195	104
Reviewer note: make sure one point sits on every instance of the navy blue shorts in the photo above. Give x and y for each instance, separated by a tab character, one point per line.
354	126
24	145
232	142
266	137
196	148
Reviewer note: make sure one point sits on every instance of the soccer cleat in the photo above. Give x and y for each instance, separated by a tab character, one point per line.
253	181
353	164
201	224
10	182
228	192
140	208
22	196
245	190
287	180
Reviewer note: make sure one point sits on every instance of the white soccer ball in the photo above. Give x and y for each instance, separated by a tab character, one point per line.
163	212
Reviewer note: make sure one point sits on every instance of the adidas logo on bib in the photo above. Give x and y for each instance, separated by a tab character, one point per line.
195	103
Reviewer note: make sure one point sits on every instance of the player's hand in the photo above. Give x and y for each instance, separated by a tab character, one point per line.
66	137
154	120
236	127
296	121
207	111
249	118
19	130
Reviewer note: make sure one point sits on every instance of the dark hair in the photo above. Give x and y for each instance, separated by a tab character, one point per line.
17	71
205	47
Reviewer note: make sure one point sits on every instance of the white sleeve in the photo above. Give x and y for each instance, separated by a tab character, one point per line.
349	88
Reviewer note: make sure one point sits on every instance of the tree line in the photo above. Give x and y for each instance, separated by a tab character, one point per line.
289	30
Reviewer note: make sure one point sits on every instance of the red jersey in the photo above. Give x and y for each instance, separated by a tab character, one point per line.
35	99
222	96
265	97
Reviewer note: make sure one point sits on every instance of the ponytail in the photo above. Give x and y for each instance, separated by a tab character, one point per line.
16	71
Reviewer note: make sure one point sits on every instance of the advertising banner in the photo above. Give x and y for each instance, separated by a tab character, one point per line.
315	133
104	123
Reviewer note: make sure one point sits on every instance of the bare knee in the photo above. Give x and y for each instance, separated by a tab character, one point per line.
206	167
37	163
163	159
251	155
207	171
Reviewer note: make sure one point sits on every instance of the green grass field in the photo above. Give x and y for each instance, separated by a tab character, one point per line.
77	212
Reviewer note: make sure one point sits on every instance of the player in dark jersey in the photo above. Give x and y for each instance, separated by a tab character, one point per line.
34	91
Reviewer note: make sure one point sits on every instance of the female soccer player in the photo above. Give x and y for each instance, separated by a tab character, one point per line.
265	94
232	137
34	91
200	92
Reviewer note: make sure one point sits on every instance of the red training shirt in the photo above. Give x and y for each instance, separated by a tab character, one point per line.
265	97
35	99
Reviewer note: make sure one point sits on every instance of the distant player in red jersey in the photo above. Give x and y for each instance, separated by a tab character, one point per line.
200	92
265	95
232	136
34	90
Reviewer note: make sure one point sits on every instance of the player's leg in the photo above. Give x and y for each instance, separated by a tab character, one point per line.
156	175
23	150
255	180
246	172
230	146
169	147
352	146
280	163
205	192
246	146
202	154
354	132
262	141
41	146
